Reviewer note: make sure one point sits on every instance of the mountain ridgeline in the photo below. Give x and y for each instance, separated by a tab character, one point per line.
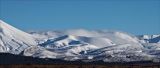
79	45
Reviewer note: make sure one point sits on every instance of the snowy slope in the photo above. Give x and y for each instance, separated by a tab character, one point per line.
149	38
97	37
80	44
151	44
109	46
73	40
14	40
74	46
62	46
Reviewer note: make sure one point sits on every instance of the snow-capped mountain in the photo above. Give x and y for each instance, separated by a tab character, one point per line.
62	46
75	40
149	38
80	44
13	40
151	44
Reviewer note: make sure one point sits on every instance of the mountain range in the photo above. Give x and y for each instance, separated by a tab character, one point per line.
80	44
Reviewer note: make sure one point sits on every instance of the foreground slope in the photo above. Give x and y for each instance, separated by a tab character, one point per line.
13	40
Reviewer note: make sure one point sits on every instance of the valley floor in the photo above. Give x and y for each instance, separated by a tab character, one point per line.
80	66
16	61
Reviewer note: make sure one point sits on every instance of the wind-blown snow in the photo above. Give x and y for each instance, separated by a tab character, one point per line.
80	44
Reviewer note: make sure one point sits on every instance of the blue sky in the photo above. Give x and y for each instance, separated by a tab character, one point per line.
133	16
